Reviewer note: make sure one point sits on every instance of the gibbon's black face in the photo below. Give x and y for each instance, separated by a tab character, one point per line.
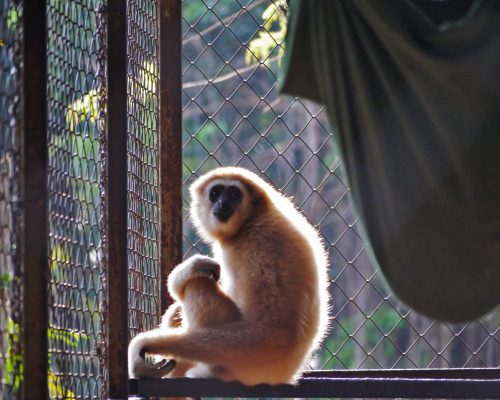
225	200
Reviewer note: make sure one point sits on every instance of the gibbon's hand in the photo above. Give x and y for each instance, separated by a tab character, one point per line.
140	368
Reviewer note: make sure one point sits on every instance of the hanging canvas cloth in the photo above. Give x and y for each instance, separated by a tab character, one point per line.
414	100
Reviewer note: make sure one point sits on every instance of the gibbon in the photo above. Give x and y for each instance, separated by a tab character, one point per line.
274	273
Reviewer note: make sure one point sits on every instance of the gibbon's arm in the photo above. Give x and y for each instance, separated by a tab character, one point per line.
194	266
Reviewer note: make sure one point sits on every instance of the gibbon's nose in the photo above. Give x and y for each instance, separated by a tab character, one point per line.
224	204
223	210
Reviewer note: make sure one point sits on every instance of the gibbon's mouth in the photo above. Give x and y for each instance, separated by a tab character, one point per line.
223	214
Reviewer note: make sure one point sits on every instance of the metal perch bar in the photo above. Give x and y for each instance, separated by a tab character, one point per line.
414	383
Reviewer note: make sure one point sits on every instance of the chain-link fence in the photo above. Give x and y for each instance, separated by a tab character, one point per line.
77	182
143	158
10	216
75	84
233	115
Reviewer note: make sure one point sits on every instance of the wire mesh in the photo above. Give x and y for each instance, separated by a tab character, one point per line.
234	116
143	161
10	217
75	46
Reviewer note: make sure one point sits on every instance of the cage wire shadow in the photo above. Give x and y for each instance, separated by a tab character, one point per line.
232	115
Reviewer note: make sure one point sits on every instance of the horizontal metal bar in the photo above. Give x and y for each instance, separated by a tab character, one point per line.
430	373
323	387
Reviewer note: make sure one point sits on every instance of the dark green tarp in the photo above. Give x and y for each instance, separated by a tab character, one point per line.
414	100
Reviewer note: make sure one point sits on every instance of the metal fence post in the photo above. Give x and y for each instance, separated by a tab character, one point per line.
117	273
170	140
34	193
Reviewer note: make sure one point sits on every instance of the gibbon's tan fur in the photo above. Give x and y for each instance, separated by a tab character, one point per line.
273	268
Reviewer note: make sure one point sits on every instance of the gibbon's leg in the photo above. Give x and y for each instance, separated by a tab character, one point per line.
172	319
234	345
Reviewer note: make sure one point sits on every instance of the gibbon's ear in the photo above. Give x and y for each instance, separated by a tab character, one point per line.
257	199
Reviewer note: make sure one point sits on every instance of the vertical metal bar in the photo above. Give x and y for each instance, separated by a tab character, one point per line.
170	141
34	156
117	271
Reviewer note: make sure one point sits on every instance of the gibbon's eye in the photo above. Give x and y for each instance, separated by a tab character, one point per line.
234	194
215	193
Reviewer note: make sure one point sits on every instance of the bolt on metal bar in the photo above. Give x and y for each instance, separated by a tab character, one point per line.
34	157
170	141
117	273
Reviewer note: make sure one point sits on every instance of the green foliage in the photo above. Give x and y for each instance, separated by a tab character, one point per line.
56	390
386	318
208	137
6	280
271	37
191	10
14	365
70	338
340	345
12	18
14	369
146	83
85	108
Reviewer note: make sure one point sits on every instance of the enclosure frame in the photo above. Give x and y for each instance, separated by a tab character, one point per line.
116	183
34	173
479	383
